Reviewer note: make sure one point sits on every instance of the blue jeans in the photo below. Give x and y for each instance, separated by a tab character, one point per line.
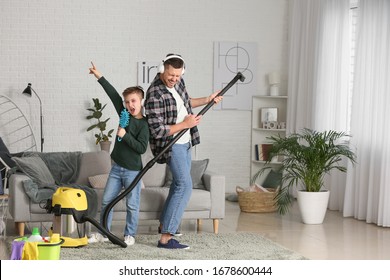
180	190
122	178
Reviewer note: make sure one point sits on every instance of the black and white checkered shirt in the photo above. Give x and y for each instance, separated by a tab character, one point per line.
161	112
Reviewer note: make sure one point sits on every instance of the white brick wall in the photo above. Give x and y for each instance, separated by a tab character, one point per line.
51	44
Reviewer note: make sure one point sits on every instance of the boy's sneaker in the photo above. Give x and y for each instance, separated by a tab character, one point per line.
172	244
97	237
177	233
129	240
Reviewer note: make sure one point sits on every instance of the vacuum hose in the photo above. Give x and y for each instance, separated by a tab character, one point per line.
113	238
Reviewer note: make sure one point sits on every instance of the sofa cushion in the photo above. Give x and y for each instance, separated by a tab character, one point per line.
153	199
200	200
35	168
198	167
273	179
155	177
93	163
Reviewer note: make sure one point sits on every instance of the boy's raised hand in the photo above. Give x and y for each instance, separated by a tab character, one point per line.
94	71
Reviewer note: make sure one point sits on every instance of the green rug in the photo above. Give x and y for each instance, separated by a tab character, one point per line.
223	246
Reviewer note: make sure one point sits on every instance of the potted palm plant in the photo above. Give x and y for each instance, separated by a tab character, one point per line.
102	137
306	157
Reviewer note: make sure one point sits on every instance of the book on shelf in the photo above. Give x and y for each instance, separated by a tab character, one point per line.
257	152
262	151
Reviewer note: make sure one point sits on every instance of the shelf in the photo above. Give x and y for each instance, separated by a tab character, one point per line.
270	96
261	135
263	162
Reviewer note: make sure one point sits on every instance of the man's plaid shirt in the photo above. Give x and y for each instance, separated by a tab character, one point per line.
161	112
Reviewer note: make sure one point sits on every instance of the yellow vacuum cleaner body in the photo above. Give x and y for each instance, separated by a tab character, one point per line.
68	201
70	198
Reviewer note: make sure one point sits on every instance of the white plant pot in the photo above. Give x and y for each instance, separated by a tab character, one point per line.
312	206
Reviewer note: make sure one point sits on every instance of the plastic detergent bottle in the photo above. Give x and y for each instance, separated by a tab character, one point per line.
35	236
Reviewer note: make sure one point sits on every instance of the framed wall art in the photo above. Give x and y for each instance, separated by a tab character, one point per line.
269	114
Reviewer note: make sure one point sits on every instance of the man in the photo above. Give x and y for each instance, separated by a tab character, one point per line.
168	110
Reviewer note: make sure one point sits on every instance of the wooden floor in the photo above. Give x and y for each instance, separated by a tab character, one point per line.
337	238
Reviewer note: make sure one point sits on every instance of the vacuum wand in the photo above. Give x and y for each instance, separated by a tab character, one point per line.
239	76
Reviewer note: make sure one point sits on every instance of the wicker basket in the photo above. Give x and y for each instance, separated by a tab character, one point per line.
257	202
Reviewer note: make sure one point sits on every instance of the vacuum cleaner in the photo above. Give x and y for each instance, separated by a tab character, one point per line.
74	202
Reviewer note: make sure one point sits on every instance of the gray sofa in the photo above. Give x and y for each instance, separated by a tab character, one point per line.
206	202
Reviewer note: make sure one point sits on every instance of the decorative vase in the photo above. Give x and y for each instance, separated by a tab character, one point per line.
105	146
312	206
274	90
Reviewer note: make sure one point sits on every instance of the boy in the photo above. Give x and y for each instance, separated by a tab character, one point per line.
126	156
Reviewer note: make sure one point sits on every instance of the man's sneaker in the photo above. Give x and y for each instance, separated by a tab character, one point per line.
97	237
172	244
129	240
177	233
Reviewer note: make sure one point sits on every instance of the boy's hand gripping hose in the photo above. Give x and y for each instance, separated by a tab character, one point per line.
113	238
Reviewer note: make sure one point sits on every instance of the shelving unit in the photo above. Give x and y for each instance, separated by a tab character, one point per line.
259	134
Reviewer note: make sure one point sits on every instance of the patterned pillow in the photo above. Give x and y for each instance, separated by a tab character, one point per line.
98	181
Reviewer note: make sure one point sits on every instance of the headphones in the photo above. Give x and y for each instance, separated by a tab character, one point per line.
143	94
161	66
141	89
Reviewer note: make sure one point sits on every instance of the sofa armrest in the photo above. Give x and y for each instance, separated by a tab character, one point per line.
215	184
21	211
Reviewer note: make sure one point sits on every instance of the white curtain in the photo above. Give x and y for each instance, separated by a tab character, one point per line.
367	195
319	61
318	64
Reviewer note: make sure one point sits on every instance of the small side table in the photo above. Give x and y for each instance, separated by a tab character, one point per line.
3	214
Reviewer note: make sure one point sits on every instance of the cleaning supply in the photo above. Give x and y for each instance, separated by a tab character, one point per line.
55	238
50	250
17	248
124	120
30	250
35	236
